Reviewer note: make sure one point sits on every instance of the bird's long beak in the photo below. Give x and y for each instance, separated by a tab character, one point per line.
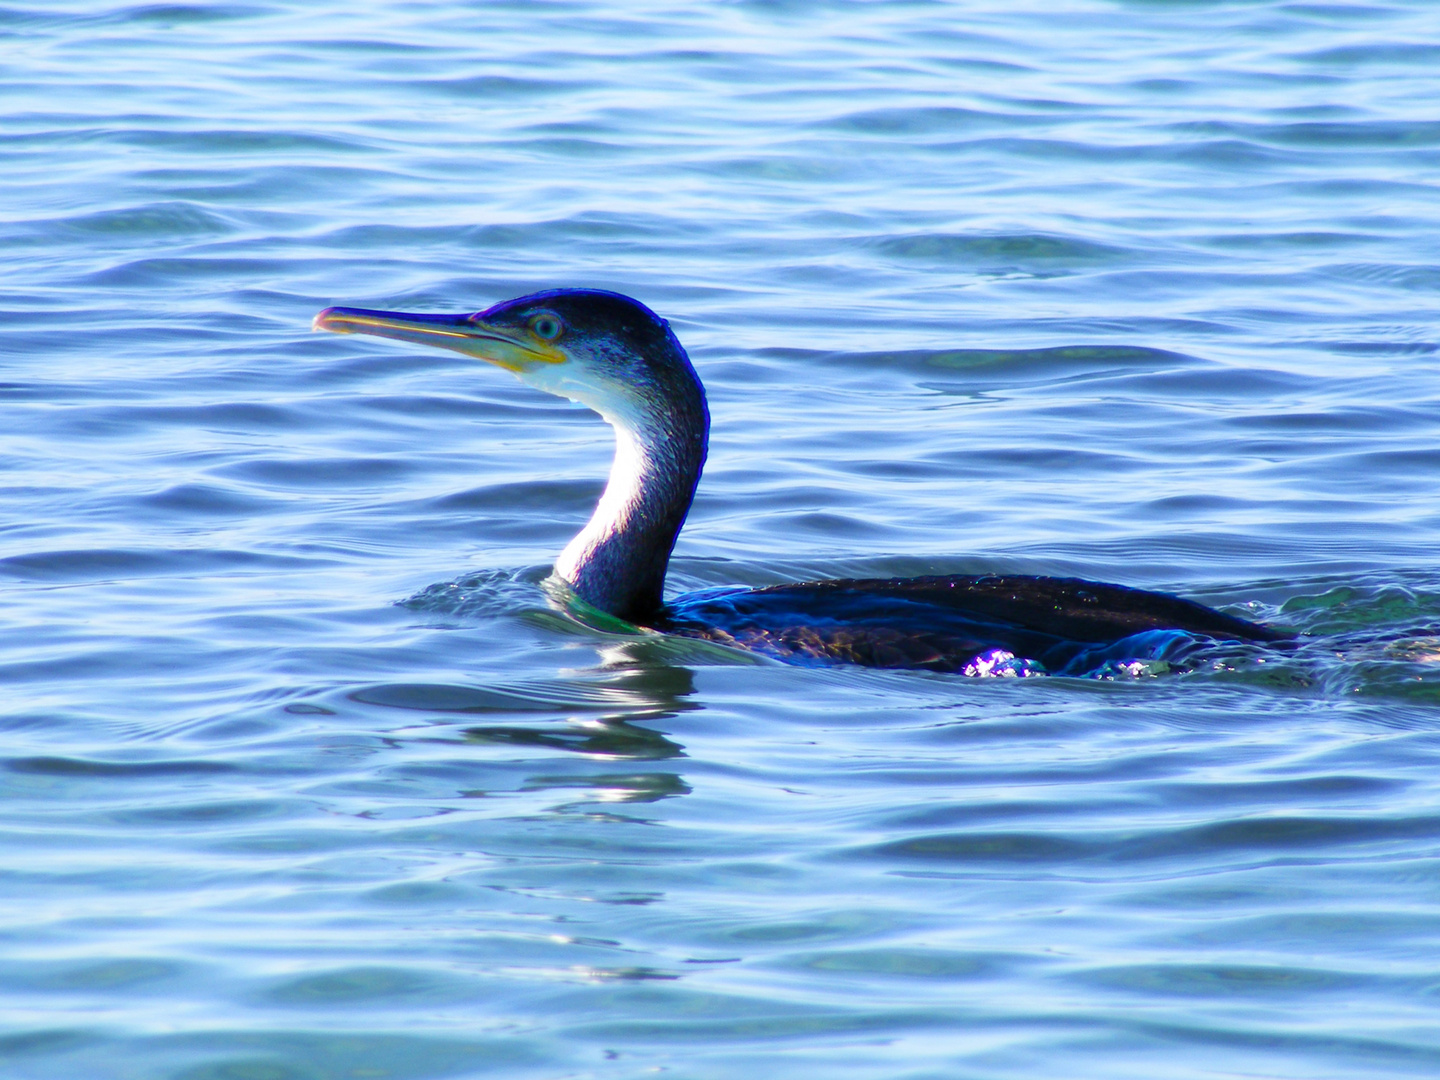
514	349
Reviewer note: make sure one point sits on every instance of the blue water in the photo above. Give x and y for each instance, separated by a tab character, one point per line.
304	779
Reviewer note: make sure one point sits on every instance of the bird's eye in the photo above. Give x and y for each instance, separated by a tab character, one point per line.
546	326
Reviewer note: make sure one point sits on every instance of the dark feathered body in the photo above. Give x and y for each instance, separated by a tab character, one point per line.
951	623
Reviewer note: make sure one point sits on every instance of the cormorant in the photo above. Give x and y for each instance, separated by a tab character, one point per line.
616	356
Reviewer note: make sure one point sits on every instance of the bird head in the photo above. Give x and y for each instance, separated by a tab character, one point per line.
599	348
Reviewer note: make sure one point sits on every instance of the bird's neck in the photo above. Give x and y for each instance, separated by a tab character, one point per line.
617	562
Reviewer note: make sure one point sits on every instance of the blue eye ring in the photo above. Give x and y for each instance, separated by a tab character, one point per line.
545	326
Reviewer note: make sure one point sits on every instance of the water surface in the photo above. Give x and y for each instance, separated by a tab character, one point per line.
303	777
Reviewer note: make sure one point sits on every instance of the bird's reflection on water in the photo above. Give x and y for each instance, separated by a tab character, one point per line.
608	737
637	787
604	714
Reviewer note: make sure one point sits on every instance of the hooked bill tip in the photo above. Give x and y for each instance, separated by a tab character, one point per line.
326	321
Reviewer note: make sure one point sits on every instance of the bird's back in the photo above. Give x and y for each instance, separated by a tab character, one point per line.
955	623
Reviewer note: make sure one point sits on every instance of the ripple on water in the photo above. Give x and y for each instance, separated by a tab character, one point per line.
305	776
